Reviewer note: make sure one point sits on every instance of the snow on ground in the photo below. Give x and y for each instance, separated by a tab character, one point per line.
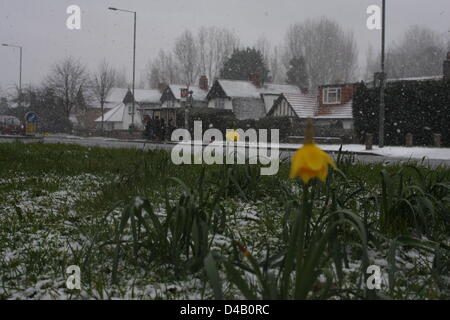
395	152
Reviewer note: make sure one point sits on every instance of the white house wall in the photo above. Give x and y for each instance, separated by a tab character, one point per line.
176	104
127	118
228	105
269	100
283	109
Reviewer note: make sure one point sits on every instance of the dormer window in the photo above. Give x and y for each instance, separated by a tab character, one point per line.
331	95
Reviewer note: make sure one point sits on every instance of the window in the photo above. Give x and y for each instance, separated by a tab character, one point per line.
331	95
219	103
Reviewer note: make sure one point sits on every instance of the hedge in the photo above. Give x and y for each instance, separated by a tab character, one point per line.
421	108
225	119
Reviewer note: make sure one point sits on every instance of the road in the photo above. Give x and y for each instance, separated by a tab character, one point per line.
286	151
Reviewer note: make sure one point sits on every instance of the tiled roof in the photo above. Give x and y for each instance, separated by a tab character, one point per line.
246	89
273	88
116	95
304	105
198	94
239	89
147	95
428	78
336	112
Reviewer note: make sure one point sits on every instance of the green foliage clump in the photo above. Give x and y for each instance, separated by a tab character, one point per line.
245	63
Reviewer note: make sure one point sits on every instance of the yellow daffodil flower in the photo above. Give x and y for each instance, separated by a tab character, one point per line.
232	136
310	161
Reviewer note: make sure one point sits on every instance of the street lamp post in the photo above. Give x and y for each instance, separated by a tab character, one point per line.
134	58
382	78
20	69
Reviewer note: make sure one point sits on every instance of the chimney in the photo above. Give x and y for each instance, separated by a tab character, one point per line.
203	83
162	86
447	67
254	78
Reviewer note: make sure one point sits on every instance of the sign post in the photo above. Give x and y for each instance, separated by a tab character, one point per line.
31	120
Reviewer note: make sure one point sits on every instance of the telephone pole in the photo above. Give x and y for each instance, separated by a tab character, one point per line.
382	78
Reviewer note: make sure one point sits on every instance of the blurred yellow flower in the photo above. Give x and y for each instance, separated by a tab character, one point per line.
232	136
310	161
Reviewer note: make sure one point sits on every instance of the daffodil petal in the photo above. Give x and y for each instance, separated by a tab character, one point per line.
296	164
313	157
306	174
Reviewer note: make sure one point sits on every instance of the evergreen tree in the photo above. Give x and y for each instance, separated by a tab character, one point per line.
244	64
297	73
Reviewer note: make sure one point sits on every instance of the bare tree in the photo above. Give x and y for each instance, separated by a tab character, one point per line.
153	75
101	84
163	69
191	56
66	79
121	78
330	53
214	46
419	53
271	59
186	53
276	66
372	64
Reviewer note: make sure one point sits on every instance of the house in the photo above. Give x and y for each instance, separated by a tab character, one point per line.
247	99
147	100
335	104
93	113
332	106
300	106
171	100
271	91
119	106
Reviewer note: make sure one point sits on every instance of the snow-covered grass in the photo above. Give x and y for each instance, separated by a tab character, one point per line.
61	205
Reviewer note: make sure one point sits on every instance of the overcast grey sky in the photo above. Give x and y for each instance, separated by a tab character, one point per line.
40	27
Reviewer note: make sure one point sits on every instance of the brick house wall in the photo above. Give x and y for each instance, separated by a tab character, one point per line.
91	115
346	95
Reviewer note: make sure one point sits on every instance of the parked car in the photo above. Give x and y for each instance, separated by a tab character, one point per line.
10	125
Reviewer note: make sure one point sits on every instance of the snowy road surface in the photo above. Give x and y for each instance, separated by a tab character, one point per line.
433	156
